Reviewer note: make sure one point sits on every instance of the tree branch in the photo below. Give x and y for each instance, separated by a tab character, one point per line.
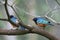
13	32
5	5
3	19
44	33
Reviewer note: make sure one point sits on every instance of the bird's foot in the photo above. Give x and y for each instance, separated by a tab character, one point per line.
14	28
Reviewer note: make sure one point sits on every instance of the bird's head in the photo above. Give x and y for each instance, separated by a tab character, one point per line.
35	20
11	16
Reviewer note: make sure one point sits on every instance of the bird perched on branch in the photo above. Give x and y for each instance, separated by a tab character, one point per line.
42	22
16	21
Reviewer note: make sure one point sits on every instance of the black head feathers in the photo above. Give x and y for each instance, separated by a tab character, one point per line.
11	16
35	20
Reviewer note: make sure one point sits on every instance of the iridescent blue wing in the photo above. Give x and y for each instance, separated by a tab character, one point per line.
14	19
42	21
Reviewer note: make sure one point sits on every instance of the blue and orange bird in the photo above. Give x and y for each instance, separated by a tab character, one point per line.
16	21
42	22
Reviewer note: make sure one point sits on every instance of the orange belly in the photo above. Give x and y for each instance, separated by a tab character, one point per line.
42	25
13	26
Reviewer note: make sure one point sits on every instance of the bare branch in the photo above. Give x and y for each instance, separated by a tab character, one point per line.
13	32
5	5
44	33
3	19
21	32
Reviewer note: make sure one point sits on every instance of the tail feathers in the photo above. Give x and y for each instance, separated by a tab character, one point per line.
21	28
50	24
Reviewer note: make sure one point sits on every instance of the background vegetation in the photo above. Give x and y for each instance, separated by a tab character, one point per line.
27	9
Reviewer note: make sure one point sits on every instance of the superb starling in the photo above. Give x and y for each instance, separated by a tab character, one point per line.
42	22
16	21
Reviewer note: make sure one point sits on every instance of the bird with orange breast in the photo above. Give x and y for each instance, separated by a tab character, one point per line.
42	22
